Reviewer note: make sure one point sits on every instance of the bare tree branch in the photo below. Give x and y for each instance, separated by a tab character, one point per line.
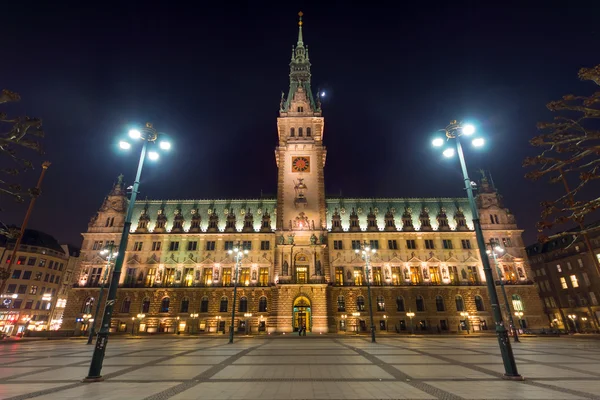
569	149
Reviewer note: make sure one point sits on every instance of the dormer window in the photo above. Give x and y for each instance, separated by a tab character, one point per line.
292	132
299	132
308	132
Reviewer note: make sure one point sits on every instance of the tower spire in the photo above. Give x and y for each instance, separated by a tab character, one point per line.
300	42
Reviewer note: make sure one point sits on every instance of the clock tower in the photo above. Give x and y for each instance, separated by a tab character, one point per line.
300	154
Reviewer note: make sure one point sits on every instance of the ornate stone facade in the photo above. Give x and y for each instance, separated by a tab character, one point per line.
301	268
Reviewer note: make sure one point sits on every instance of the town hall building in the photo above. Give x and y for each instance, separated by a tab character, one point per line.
301	268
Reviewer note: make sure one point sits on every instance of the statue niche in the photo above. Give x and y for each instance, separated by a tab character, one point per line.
300	188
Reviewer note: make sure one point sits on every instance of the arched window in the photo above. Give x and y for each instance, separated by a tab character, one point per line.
420	303
360	303
399	303
87	305
479	303
460	304
185	305
204	304
164	304
517	303
439	303
262	304
243	304
292	132
308	132
299	132
380	303
341	303
146	305
126	305
223	304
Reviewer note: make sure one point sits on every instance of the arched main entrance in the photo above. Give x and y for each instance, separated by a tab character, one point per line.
302	314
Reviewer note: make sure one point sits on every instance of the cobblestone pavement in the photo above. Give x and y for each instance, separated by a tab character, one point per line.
295	367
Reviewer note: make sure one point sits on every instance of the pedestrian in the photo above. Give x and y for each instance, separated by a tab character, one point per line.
300	331
304	330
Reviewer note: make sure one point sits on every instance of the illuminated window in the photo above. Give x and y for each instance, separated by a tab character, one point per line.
226	278
360	303
377	276
517	303
563	282
339	276
358	276
380	303
574	281
245	277
396	275
263	276
580	261
207	275
558	268
341	303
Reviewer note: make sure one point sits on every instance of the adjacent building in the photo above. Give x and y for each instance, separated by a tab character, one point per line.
32	292
301	268
568	280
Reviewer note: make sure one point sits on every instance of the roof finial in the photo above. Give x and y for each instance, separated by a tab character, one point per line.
300	42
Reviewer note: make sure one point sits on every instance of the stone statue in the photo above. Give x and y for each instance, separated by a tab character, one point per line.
444	273
290	239
406	275
280	239
313	239
281	102
285	268
349	275
216	275
425	274
254	275
322	239
318	268
178	275
120	179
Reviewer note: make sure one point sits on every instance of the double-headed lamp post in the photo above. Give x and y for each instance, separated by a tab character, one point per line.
573	318
456	130
109	252
494	250
410	315
366	251
238	253
193	316
148	136
140	318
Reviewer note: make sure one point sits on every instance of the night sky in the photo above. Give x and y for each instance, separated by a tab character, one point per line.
211	77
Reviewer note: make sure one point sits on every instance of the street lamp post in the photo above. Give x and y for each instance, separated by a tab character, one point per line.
147	135
344	317
140	317
193	316
366	251
356	316
86	319
465	315
454	131
248	316
495	249
519	315
411	315
132	325
238	254
218	321
573	318
110	253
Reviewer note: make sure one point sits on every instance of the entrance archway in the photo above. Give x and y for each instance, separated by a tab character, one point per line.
302	314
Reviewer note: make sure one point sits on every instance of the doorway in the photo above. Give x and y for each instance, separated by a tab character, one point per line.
302	314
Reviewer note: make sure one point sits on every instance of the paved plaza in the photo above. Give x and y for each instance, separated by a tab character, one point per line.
293	367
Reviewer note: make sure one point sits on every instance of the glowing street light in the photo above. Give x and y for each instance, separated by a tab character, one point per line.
448	153
124	145
438	142
238	253
454	131
366	251
148	136
411	315
478	142
493	251
153	155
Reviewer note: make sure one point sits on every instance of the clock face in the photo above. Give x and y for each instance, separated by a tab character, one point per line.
301	164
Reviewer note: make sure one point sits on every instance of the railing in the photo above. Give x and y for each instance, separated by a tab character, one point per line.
139	285
512	283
